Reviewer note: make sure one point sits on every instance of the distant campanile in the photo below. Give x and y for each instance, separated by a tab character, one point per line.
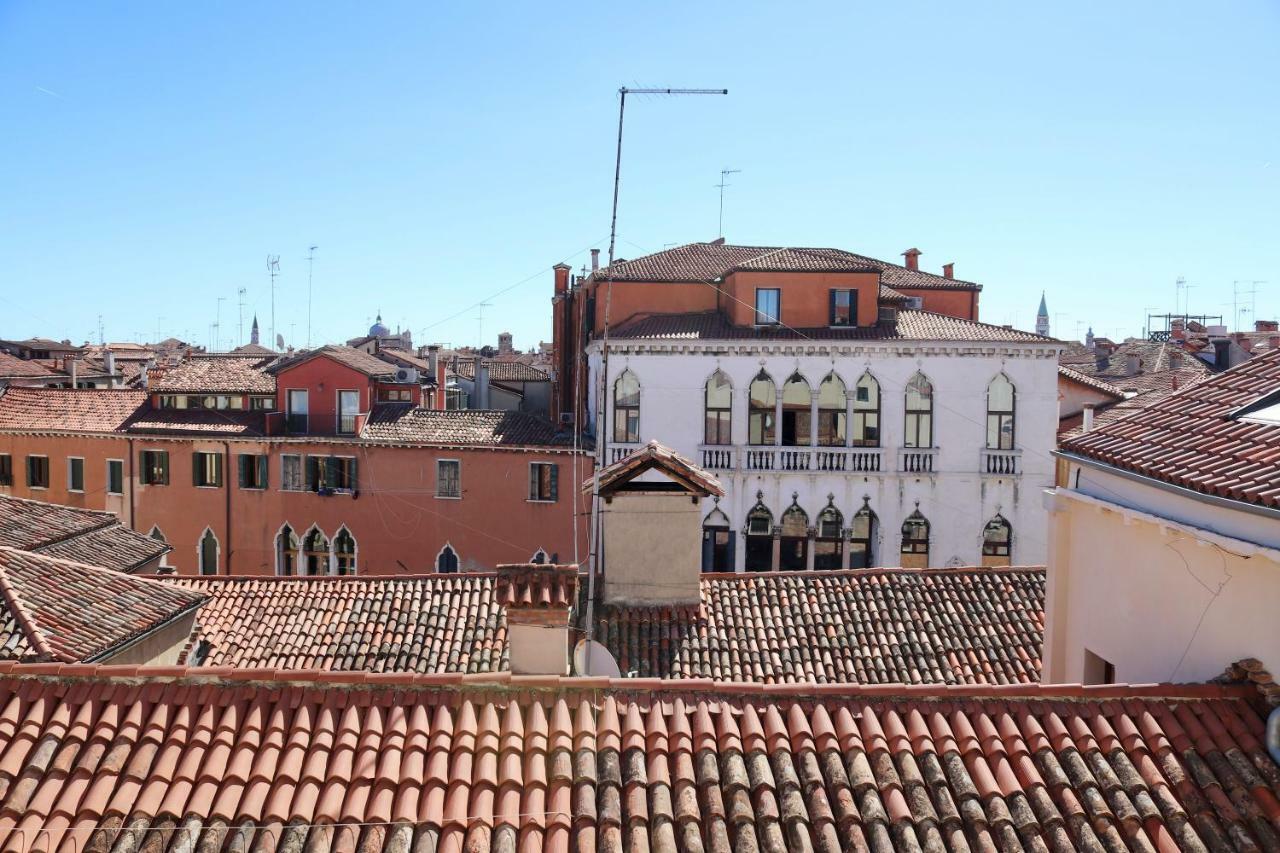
1042	317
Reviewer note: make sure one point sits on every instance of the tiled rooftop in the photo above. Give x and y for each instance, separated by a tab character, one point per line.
1099	385
89	536
218	374
198	422
656	457
67	410
1153	358
866	626
503	371
910	326
61	610
285	762
708	261
402	423
13	367
355	359
1187	438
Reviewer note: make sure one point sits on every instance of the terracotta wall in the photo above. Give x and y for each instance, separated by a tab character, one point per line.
398	522
805	297
632	298
323	378
955	303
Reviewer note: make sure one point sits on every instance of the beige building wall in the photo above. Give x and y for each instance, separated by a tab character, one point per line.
159	648
652	547
538	646
1158	599
1072	396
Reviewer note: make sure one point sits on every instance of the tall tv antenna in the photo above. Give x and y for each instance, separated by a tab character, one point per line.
240	325
311	259
217	326
273	270
724	173
480	318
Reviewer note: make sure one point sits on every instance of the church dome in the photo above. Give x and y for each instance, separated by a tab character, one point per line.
377	330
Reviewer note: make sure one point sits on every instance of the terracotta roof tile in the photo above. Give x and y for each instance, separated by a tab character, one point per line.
1189	438
656	457
1090	381
67	410
617	768
13	367
707	261
218	374
866	626
88	536
401	422
354	358
910	326
198	422
55	609
503	371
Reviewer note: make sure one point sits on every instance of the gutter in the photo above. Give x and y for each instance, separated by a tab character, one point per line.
1181	491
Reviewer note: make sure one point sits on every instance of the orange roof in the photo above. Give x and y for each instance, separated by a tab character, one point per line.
656	457
67	410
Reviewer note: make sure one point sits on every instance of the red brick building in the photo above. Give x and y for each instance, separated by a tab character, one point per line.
324	463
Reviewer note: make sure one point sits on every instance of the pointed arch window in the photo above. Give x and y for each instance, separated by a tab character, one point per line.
997	542
286	551
315	548
719	404
344	553
626	408
1000	413
831	412
862	534
828	544
539	558
761	410
717	543
793	553
759	536
796	411
208	553
157	535
919	419
915	541
447	560
866	412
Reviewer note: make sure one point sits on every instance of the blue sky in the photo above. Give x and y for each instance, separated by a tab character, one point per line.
154	154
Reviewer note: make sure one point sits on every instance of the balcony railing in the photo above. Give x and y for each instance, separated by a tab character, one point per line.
620	451
719	457
761	459
1000	463
916	460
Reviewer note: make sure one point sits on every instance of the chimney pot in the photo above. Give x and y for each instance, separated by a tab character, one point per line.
948	270
562	278
913	258
1274	341
538	598
1132	364
1088	417
595	259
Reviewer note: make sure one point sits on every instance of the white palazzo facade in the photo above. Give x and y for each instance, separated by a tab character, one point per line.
846	453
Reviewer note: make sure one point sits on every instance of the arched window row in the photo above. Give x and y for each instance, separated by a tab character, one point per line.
831	415
315	553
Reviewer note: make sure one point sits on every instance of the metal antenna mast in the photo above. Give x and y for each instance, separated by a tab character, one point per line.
273	269
724	173
311	258
240	325
480	318
217	325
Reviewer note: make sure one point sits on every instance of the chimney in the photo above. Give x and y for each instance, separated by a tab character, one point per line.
1266	326
1131	364
1173	381
537	598
595	259
1274	341
1101	358
913	258
482	384
143	379
110	363
1088	417
1246	343
948	270
562	278
1175	360
72	371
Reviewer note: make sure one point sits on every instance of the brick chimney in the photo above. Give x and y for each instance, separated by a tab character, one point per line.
1132	364
537	599
1087	424
562	278
1266	326
949	270
913	258
1273	341
595	259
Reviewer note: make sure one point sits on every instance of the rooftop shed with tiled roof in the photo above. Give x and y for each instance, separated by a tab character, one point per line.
218	374
88	536
397	423
67	410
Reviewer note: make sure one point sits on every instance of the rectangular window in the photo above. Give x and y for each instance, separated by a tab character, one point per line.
75	474
261	404
844	308
38	472
768	303
115	476
296	416
154	467
327	474
6	469
544	481
206	469
252	470
348	408
291	479
919	429
448	478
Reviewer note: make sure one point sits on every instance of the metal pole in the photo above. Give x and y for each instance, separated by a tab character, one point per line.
617	174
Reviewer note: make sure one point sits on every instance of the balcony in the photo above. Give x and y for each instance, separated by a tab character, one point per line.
917	460
1000	463
718	457
619	451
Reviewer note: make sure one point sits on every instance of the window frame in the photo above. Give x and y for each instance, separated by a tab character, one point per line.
457	561
338	415
863	410
1002	417
344	563
256	464
852	294
283	551
723	422
148	469
109	490
918	546
71	470
776	319
766	417
200	472
31	479
457	480
301	473
913	419
626	431
217	553
6	469
833	423
536	470
290	415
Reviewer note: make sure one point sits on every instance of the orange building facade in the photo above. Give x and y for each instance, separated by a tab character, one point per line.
383	488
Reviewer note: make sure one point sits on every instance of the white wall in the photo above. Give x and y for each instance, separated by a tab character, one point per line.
956	499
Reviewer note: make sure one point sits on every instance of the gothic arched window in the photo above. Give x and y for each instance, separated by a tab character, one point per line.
919	415
997	542
719	404
1000	413
761	410
828	545
626	408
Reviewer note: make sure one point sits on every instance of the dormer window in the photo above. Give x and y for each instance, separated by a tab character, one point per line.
768	306
844	308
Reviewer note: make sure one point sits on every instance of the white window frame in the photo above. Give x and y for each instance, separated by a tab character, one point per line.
302	473
216	467
107	487
275	547
456	497
217	553
74	491
333	553
755	307
288	406
337	411
435	564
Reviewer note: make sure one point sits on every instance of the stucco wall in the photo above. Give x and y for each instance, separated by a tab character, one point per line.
1160	601
160	648
652	547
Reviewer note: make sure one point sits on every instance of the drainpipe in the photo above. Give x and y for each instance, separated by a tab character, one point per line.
226	482
132	488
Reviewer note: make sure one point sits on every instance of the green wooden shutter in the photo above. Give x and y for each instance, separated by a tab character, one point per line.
242	469
195	469
164	467
313	473
355	481
263	472
555	482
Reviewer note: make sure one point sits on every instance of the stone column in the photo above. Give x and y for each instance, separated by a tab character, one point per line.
845	548
777	549
813	418
777	419
849	396
810	542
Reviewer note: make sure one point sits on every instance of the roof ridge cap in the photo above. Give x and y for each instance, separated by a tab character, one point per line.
66	537
19	610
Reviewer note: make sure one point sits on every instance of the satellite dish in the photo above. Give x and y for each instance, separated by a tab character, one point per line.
280	342
591	658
